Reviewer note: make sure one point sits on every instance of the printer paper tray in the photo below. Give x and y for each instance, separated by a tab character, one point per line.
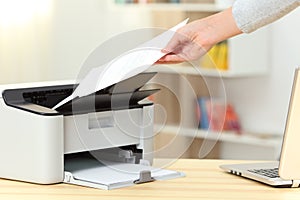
110	175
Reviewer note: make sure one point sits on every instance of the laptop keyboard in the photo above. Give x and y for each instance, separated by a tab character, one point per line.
271	173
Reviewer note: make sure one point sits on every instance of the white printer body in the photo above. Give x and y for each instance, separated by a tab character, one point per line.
37	142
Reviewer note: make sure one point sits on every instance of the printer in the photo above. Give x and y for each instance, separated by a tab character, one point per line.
103	140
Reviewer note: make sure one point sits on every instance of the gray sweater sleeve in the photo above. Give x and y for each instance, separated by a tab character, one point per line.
253	14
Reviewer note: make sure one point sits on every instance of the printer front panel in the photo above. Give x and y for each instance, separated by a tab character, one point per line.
101	130
31	146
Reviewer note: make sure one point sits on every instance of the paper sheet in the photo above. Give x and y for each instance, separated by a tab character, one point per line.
124	66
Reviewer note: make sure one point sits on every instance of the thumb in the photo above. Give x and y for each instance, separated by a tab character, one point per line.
172	44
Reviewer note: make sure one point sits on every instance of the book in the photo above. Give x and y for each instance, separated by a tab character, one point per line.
214	115
203	115
216	57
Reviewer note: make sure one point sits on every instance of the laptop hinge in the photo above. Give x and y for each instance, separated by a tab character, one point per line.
296	183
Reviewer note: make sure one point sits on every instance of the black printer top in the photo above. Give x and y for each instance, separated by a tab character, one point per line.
40	100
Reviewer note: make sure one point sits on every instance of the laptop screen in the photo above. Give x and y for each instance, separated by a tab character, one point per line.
289	167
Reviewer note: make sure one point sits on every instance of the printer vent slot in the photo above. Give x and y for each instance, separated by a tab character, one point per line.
47	98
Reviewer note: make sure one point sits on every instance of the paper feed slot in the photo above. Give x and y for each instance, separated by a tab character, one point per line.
111	175
123	95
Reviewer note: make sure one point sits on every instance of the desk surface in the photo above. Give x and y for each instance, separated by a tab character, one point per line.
204	180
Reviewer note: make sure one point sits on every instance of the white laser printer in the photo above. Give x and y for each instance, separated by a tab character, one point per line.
104	140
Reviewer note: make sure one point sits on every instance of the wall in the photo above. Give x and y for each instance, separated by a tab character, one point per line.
262	102
52	40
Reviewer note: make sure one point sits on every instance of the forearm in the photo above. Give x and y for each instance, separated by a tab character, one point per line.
244	17
220	26
253	14
196	38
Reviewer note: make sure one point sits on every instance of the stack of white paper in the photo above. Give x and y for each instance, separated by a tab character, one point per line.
124	66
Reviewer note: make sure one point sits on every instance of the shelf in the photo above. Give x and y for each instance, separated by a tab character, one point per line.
189	7
226	136
189	70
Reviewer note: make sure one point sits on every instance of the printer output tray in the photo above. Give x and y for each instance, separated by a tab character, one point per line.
111	175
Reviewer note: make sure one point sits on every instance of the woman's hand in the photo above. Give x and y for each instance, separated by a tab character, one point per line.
196	38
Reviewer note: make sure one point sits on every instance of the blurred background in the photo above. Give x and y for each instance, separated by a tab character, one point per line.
46	40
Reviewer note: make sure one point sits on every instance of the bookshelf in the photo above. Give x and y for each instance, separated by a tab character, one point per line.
247	57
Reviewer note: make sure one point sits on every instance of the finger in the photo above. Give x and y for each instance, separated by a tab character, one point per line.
166	63
171	58
173	44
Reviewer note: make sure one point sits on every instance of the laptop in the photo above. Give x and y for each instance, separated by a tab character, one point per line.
286	172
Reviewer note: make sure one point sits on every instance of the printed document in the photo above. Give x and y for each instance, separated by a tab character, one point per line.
124	66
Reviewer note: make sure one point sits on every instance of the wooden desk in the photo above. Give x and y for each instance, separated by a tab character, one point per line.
204	180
